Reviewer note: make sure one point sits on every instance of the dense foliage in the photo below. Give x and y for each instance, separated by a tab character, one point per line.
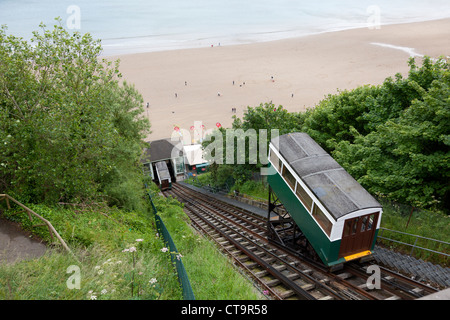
69	130
393	138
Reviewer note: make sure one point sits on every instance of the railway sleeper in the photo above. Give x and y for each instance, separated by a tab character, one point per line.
307	271
259	253
286	294
275	282
308	286
269	259
345	275
261	273
280	268
252	265
417	291
243	259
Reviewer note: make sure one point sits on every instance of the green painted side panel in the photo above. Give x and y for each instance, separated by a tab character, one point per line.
328	250
375	236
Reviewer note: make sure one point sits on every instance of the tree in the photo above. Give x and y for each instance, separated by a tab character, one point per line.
335	118
407	157
244	147
70	131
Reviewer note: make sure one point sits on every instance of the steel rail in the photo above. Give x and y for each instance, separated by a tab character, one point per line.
298	290
230	254
267	266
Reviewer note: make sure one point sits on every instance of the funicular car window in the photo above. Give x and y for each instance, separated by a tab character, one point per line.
322	220
304	197
370	224
355	225
363	223
275	161
289	177
348	226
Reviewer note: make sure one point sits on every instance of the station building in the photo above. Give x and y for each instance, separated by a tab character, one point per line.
167	151
194	160
182	161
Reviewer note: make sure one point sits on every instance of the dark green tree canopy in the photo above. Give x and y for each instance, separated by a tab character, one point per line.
69	129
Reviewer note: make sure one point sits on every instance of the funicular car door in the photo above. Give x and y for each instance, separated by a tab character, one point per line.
358	234
165	184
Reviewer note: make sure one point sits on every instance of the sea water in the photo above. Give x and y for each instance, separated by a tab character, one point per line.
127	26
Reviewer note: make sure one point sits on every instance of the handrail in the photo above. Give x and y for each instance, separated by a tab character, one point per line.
30	212
413	246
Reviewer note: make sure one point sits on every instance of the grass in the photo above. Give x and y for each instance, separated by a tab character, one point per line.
428	224
106	268
104	275
211	274
98	238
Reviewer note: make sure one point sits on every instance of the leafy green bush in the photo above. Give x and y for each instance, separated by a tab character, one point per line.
70	131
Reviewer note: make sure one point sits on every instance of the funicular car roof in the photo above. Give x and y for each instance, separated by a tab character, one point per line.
163	171
334	187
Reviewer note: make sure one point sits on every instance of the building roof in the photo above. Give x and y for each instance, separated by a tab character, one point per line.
334	187
161	150
194	154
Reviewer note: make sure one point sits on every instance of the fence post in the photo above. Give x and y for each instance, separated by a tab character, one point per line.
409	219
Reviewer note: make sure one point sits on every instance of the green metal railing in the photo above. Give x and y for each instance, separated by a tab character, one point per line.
175	257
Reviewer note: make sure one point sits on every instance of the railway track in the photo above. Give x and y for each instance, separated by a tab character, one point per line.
278	272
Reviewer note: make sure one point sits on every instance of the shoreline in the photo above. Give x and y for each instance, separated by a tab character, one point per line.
164	48
182	86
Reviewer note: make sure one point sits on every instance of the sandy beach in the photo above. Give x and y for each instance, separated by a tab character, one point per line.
183	86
